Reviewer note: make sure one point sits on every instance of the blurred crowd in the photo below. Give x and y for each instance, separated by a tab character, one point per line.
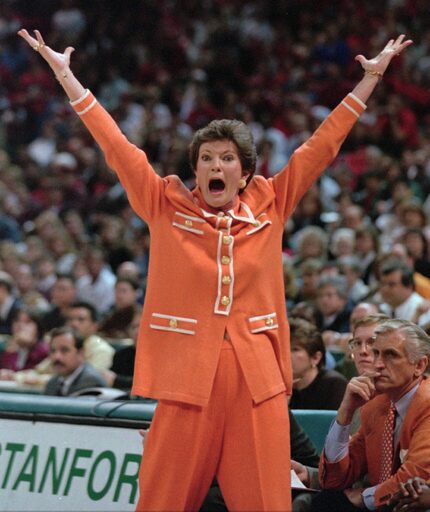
166	68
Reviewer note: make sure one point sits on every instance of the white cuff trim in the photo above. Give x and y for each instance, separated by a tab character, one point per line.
354	97
345	104
75	102
90	106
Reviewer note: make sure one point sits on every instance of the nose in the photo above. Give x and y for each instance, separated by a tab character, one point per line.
216	164
378	361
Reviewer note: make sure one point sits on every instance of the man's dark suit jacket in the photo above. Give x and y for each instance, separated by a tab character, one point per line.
88	378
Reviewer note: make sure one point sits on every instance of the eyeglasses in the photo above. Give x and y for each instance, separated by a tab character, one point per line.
357	344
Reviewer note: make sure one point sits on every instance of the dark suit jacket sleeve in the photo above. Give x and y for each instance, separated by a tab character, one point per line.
52	386
302	448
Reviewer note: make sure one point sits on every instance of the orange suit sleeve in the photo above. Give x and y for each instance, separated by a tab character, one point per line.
315	155
143	185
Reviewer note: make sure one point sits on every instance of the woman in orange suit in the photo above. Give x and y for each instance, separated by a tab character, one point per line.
213	345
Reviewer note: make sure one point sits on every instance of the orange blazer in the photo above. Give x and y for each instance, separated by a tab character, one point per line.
364	455
211	273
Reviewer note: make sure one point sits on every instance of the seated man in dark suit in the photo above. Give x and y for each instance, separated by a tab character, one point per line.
391	445
72	374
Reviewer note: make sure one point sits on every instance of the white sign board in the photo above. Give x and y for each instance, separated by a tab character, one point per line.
57	466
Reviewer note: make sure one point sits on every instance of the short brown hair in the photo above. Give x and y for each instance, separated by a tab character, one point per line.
308	337
230	129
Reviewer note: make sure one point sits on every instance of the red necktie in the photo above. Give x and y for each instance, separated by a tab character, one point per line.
387	445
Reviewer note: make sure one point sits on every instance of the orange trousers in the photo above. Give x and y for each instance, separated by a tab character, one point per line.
246	445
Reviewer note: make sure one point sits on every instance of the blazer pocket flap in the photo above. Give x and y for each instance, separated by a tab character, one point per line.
173	323
188	223
263	323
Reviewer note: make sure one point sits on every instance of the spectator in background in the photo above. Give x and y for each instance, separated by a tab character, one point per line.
422	283
25	348
314	387
83	317
342	242
347	365
117	321
309	271
9	303
290	282
333	308
97	287
311	242
417	247
349	266
398	291
367	250
71	372
44	271
120	375
63	295
27	289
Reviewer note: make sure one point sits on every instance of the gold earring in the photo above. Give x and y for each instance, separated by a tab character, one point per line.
242	183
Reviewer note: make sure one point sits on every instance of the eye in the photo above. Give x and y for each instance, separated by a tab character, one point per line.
229	158
205	158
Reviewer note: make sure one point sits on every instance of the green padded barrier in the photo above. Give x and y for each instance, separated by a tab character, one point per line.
80	406
316	424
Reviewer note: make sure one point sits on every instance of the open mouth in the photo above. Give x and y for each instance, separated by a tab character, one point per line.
216	186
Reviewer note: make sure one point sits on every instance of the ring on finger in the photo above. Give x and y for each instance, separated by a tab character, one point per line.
38	46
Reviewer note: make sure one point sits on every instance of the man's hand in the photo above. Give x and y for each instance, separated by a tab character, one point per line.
109	376
6	374
301	472
413	495
355	497
358	392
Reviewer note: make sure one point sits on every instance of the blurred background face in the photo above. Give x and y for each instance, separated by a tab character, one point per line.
80	319
309	282
414	245
329	301
393	291
24	330
311	247
65	357
301	361
24	279
364	244
63	293
125	295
